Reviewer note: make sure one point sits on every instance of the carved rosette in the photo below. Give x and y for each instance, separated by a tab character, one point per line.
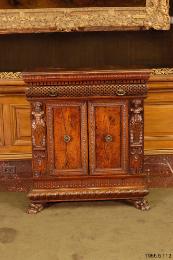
38	139
136	125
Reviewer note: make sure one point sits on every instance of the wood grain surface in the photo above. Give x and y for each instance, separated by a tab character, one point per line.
67	123
108	124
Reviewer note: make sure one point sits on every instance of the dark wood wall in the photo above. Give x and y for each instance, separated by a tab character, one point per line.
143	49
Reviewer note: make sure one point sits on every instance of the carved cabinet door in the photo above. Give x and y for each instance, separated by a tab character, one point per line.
108	137
67	138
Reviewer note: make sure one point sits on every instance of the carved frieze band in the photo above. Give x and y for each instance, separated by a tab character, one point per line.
87	90
136	124
38	139
57	183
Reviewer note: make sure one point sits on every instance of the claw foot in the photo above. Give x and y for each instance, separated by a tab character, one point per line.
141	204
35	208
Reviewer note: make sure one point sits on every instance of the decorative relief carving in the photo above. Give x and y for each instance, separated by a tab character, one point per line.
38	139
136	136
10	75
38	126
157	14
154	15
89	183
162	71
50	139
90	77
83	89
84	139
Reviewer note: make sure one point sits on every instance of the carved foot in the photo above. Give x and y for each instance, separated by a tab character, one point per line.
141	204
35	208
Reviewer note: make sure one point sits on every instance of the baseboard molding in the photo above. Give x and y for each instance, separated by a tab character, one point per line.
16	175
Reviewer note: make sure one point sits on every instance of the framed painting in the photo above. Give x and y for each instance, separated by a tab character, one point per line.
26	16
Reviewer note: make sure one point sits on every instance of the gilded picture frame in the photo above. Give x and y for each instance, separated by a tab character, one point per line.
155	15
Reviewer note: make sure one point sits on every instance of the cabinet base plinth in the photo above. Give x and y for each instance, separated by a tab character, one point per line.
40	197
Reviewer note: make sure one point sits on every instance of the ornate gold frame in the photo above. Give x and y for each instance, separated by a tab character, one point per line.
155	15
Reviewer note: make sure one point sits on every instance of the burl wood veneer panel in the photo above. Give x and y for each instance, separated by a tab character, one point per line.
70	137
67	152
108	125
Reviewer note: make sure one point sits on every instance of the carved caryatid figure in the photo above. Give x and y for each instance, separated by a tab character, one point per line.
38	126
136	122
136	136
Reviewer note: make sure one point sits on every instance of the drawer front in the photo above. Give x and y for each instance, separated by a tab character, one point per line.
108	137
67	138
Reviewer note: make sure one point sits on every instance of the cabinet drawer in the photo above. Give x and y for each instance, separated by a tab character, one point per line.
108	137
67	138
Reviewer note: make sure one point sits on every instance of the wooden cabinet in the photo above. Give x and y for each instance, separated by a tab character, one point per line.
87	136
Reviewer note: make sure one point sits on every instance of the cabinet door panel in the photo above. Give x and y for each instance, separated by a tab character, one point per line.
108	137
66	138
67	135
